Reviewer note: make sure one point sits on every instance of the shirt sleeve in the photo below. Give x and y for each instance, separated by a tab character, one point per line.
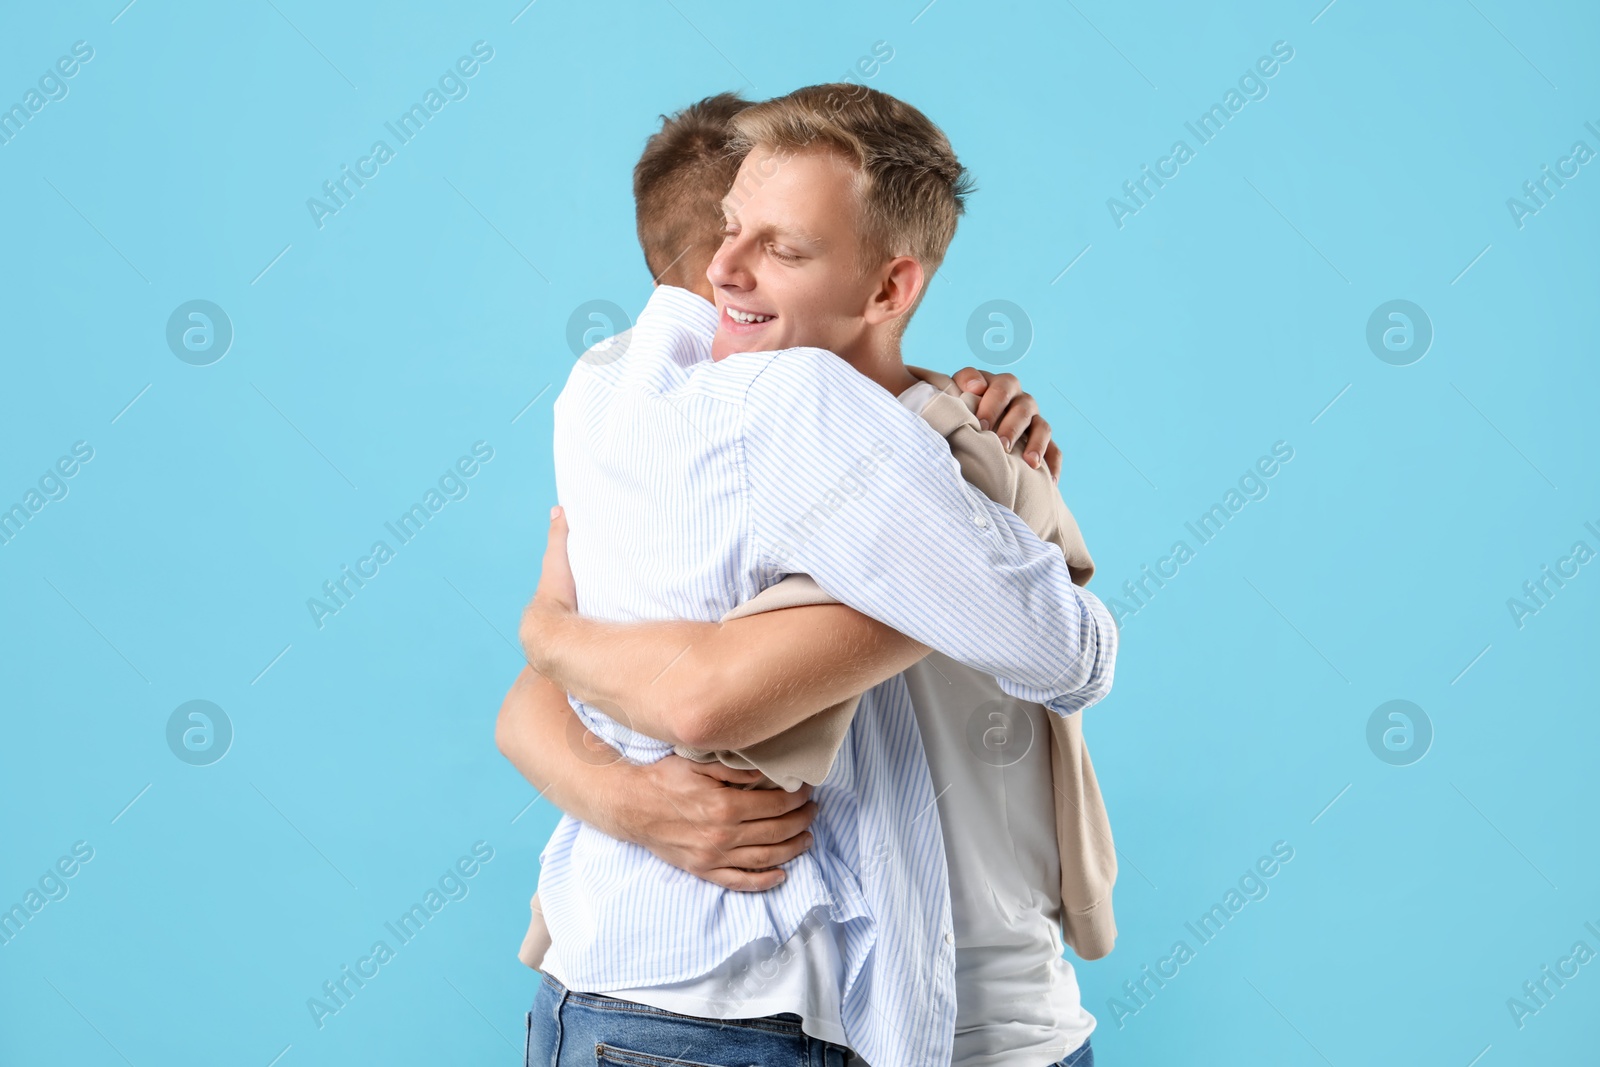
847	485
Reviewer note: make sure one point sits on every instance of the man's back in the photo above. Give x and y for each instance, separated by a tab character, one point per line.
654	507
651	482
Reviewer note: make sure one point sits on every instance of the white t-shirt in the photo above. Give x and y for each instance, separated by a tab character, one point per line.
1017	1001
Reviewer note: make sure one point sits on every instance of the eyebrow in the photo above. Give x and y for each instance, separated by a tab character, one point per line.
783	231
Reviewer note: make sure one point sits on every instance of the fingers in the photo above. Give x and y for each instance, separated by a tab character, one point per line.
743	881
753	868
732	810
775	830
1037	441
1052	459
971	380
1018	421
760	805
742	856
722	772
762	857
1002	390
715	842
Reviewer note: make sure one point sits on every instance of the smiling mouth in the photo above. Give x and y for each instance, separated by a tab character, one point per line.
747	318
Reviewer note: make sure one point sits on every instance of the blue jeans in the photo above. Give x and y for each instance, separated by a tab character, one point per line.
566	1029
1084	1057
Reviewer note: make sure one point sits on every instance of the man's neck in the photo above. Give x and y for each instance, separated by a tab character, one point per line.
878	358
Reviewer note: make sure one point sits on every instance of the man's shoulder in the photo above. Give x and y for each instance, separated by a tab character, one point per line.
655	354
792	380
743	370
729	381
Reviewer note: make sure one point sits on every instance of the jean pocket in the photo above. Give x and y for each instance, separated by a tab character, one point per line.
621	1057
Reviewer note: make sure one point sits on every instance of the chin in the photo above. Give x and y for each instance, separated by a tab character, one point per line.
724	344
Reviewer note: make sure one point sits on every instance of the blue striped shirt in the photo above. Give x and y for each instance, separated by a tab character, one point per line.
690	486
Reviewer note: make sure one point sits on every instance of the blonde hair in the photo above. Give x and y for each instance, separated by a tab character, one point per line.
911	187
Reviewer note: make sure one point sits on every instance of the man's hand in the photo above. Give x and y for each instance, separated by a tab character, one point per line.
697	817
1013	414
694	816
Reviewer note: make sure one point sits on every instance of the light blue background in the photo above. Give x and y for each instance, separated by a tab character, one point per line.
1223	317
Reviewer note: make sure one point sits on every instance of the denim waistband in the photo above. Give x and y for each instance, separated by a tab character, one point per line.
623	1031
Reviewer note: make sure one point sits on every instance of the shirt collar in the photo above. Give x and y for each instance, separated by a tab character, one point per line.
689	318
688	307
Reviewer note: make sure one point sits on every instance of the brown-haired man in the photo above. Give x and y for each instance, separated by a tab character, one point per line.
845	212
678	185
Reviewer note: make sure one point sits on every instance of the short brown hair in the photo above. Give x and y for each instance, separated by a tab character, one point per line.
681	178
912	187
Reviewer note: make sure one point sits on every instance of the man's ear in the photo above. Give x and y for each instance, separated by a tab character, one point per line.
900	284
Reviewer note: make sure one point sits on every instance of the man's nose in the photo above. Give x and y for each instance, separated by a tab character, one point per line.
728	266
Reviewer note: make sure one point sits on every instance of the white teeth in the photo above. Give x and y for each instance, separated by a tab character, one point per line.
746	318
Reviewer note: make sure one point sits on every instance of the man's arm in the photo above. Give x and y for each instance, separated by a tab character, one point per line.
849	487
691	815
730	685
706	685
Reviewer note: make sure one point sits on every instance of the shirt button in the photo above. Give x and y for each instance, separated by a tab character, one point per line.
949	938
980	522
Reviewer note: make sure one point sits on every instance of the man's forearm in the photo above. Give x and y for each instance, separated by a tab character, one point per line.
616	666
542	736
716	685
